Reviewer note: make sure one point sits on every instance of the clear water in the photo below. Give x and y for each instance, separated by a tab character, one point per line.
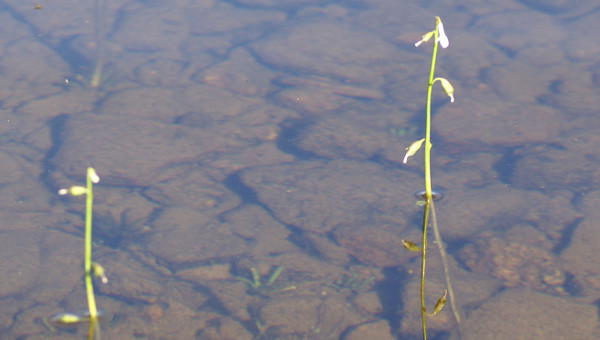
237	137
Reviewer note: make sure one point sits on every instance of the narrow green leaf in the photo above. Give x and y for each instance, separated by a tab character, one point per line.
255	277
275	275
249	283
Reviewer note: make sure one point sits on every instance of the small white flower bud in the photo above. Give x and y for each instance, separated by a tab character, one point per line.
75	190
98	271
424	38
448	88
93	175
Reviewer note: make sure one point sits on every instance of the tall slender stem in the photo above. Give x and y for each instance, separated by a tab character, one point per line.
427	167
423	252
87	252
426	152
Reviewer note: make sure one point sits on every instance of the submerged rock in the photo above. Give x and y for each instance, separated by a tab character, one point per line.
516	264
522	313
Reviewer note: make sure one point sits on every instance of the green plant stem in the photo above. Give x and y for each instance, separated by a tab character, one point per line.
429	207
426	152
423	252
93	330
427	171
87	253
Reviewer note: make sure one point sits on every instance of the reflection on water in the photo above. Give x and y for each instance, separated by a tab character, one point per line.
240	137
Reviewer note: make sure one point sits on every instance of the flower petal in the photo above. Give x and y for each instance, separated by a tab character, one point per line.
442	38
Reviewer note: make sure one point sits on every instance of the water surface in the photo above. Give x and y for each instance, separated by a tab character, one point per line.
235	137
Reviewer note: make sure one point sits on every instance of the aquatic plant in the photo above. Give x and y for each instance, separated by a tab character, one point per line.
401	131
267	287
265	331
350	283
428	196
89	267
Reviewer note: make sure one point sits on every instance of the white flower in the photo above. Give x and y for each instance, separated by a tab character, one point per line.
442	38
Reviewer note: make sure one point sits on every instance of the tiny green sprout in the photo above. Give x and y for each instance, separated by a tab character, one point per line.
262	328
402	131
268	287
412	149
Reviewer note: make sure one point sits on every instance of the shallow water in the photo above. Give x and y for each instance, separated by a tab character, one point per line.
236	137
